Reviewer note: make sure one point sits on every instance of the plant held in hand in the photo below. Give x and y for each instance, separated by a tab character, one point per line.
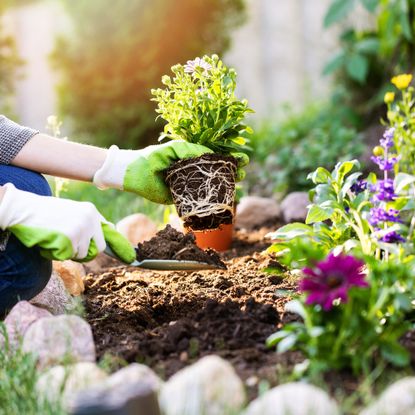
199	105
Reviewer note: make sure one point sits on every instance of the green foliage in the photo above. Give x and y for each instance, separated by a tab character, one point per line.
118	51
10	63
359	333
199	106
18	376
112	204
286	150
368	58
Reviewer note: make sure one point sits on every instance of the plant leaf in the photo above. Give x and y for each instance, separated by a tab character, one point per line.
357	67
318	214
338	10
290	231
370	5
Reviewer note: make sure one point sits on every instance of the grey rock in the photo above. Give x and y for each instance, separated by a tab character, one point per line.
64	382
134	373
54	296
131	390
253	211
19	319
209	387
397	399
294	207
293	398
58	339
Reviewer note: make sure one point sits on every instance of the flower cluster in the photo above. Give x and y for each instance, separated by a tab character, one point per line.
331	279
384	191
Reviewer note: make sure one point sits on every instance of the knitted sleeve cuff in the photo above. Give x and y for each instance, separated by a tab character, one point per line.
12	138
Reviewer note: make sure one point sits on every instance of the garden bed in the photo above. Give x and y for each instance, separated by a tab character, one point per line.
170	319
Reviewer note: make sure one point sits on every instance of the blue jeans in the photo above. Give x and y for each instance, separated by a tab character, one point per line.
23	271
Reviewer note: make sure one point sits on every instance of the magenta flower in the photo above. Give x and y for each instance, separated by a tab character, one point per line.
331	279
191	66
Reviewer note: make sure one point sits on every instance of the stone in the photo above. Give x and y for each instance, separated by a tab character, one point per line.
293	398
58	339
64	382
19	319
54	297
209	387
254	211
72	274
134	373
134	386
137	228
397	399
100	263
294	207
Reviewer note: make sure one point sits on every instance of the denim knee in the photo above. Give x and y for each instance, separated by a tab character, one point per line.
24	179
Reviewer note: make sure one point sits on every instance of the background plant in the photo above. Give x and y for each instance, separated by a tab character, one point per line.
199	105
287	148
10	63
111	60
369	57
358	330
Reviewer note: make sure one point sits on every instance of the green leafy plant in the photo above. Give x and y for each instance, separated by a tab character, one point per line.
10	62
199	105
369	57
285	150
352	314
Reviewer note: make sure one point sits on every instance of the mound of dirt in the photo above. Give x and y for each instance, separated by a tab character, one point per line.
171	244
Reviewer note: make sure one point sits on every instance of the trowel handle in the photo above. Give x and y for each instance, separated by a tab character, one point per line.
108	251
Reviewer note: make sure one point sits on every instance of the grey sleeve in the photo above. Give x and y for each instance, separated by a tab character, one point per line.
12	138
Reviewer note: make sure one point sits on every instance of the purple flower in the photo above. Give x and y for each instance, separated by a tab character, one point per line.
385	163
359	186
331	279
387	141
378	214
392	237
191	66
384	191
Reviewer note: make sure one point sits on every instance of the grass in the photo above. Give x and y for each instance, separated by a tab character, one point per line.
18	377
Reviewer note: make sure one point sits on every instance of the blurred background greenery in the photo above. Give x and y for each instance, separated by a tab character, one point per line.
105	71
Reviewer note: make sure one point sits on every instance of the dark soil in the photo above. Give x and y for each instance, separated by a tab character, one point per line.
170	319
191	181
171	244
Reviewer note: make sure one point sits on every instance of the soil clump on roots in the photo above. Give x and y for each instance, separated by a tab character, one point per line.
171	244
168	320
203	190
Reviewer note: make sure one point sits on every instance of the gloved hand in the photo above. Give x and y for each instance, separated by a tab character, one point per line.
142	171
61	228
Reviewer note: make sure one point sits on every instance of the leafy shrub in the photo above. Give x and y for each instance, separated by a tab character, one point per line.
368	58
285	151
119	50
9	64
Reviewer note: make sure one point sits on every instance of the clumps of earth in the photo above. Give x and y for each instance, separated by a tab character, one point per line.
172	244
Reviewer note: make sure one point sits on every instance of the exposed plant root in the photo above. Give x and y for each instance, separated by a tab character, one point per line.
203	190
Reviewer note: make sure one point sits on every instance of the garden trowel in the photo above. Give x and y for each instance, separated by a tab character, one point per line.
166	264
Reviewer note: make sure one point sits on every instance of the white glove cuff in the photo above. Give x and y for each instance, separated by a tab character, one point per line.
111	174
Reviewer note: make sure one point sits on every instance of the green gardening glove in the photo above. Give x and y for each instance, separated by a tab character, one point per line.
142	171
60	228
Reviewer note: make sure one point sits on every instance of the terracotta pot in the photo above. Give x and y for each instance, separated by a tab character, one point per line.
219	239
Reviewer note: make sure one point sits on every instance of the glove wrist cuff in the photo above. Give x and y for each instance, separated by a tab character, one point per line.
111	173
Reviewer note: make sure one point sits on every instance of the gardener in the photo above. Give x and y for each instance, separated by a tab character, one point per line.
39	227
